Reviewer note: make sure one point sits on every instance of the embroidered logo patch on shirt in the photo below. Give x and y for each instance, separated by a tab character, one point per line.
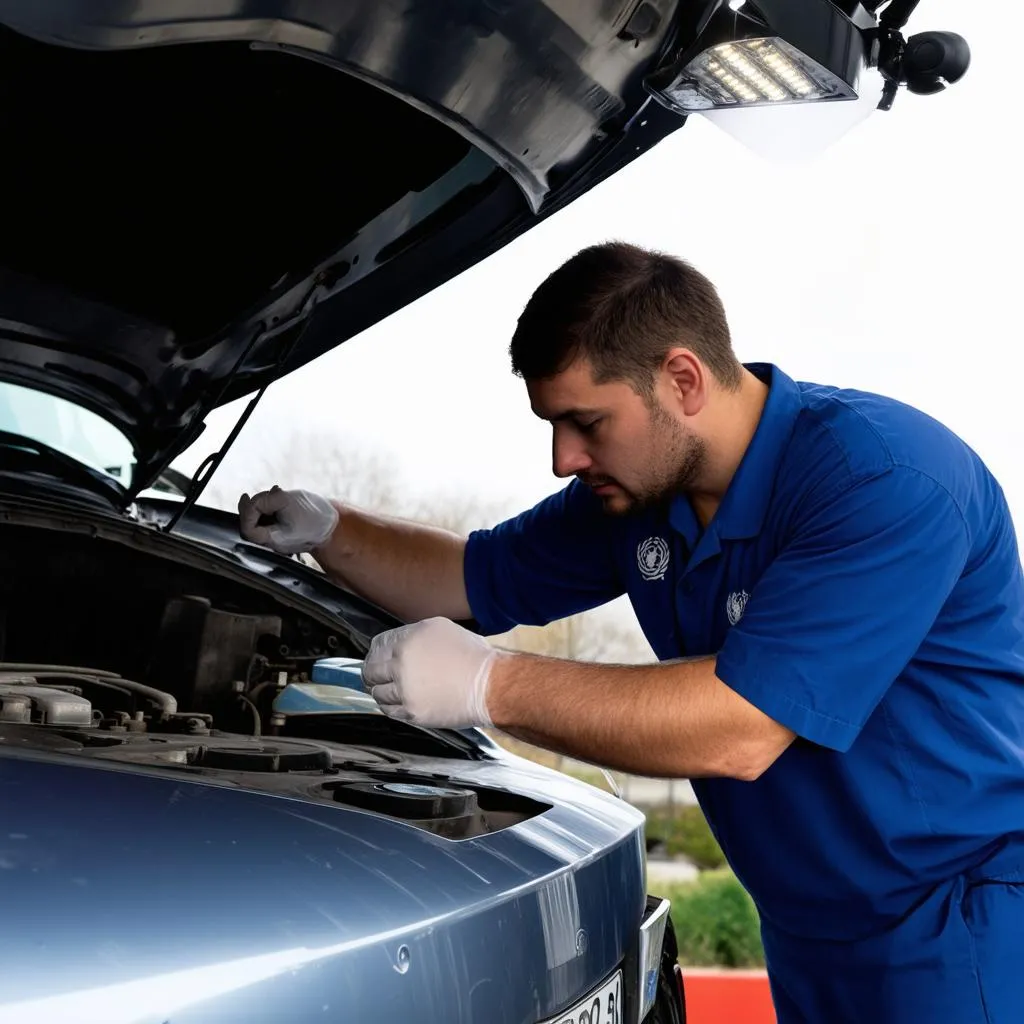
735	605
652	558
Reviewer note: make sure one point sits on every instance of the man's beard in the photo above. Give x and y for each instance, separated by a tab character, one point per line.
675	459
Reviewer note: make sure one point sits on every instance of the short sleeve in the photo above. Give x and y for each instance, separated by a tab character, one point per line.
551	561
843	608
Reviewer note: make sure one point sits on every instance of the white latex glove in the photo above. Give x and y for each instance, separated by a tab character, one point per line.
303	521
432	673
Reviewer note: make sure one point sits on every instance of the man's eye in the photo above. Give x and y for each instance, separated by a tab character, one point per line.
587	427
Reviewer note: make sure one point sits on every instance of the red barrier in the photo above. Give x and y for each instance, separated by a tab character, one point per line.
725	996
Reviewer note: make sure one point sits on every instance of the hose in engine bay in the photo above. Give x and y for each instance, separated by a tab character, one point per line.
165	701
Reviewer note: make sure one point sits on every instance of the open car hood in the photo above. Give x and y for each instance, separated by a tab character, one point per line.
204	196
209	196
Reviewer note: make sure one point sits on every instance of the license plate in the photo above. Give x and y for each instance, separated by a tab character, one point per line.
602	1006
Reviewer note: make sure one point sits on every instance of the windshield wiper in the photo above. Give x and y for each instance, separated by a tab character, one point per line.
66	468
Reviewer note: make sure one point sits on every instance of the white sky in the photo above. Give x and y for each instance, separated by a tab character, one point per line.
890	264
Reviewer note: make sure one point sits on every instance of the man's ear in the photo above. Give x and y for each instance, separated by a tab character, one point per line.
687	380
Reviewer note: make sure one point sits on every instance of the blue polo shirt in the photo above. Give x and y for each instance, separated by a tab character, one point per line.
860	583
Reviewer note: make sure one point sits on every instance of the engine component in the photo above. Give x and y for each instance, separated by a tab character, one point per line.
94	677
445	810
287	757
336	768
434	803
408	799
201	650
22	701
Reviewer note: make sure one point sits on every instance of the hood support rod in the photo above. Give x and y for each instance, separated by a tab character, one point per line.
212	462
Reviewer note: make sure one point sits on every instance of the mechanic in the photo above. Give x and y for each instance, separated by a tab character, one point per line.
831	582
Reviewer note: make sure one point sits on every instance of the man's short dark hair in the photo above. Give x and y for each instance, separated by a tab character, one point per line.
622	308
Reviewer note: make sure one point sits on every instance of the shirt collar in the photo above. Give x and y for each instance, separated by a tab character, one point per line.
742	511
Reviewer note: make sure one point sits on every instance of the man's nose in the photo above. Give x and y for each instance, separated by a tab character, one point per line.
569	456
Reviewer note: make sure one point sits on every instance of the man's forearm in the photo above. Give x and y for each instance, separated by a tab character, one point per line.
412	570
673	720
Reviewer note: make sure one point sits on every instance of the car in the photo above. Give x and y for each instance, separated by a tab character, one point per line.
204	818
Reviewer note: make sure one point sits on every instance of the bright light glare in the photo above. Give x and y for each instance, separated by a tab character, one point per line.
754	72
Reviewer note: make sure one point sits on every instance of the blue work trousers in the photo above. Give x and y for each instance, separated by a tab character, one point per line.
956	958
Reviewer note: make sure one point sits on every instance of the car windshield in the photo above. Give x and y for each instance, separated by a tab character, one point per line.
68	428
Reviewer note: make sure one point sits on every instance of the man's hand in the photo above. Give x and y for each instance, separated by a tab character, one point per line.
301	520
433	673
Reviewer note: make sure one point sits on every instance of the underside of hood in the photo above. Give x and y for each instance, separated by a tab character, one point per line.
203	197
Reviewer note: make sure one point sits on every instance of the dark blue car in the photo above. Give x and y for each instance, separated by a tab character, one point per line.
197	822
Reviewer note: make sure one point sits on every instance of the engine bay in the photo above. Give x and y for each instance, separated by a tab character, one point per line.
139	662
146	642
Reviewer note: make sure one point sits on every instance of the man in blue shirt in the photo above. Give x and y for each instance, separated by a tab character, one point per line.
831	582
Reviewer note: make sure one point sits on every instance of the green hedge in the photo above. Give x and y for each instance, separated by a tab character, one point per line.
684	830
715	920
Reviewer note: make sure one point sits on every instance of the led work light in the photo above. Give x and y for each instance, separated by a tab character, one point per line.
777	52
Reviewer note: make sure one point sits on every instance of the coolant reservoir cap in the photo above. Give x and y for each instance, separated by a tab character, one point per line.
418	789
408	799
